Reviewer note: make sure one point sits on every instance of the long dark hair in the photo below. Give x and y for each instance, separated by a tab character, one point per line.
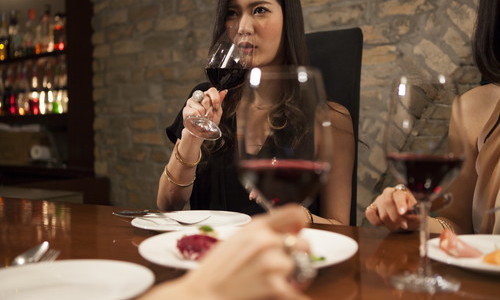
486	40
295	53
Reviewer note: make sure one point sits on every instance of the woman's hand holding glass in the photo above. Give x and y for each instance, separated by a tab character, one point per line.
419	155
227	64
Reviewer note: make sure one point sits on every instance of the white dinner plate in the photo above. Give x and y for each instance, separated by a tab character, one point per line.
75	279
485	243
162	249
216	218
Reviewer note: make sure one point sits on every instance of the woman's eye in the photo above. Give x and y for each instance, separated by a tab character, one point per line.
260	10
231	14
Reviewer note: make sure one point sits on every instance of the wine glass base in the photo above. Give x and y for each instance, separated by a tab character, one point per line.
202	127
414	282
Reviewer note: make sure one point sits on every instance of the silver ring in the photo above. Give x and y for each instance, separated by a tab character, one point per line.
289	242
304	270
198	95
400	187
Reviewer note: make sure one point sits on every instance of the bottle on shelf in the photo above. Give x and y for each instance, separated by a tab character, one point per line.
29	33
15	44
59	32
2	91
4	36
34	98
46	34
23	89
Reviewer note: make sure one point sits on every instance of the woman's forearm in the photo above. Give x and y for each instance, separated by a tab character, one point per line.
177	179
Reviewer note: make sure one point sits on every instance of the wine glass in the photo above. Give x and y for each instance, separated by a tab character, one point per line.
419	155
284	135
228	62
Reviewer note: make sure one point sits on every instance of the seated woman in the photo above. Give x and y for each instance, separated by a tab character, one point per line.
477	188
204	173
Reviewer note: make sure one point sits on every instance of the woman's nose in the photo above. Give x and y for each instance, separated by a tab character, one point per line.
245	26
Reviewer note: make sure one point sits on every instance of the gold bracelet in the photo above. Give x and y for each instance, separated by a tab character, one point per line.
182	161
171	180
445	224
308	214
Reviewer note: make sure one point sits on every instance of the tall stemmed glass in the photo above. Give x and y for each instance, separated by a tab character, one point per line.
419	156
284	135
226	68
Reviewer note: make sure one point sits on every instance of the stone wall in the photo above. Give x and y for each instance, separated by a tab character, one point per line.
149	53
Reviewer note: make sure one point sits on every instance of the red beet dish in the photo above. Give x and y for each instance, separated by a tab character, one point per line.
194	247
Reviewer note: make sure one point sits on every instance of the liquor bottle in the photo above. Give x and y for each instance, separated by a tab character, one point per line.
4	36
2	92
59	31
23	89
34	98
15	47
29	33
46	38
9	98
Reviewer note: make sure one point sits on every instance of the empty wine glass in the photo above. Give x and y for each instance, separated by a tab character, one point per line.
227	64
419	156
284	135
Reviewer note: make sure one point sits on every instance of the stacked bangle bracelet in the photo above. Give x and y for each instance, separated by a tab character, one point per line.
182	161
172	181
444	223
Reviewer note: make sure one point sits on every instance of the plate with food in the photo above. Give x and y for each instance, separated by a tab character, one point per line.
190	219
478	252
183	249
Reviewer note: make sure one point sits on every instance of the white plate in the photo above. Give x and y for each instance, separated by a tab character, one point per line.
217	218
75	279
485	243
162	249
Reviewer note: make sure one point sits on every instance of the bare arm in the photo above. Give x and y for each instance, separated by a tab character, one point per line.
176	182
339	186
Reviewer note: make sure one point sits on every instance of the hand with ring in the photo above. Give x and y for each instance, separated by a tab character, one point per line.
391	209
256	262
207	104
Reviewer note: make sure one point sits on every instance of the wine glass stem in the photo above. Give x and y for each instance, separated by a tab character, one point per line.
425	267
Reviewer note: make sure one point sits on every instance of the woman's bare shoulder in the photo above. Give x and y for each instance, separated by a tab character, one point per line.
340	116
482	98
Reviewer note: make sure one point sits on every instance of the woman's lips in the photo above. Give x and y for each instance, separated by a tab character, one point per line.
246	47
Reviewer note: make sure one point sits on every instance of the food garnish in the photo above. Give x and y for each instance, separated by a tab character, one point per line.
315	258
452	245
493	257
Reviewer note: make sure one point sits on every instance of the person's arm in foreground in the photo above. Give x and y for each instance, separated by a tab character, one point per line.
250	265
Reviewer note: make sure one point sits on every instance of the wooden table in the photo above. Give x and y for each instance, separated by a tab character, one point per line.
90	231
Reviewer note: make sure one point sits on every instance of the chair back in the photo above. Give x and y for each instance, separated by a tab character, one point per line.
337	54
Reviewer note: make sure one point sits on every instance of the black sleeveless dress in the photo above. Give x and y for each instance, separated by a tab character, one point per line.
217	185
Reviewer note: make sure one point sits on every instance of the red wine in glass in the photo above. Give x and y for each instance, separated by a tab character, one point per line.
425	175
226	78
226	67
284	181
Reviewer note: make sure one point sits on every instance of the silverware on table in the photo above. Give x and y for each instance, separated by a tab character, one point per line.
31	255
148	215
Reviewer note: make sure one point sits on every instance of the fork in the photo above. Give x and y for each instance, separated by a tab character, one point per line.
50	255
185	223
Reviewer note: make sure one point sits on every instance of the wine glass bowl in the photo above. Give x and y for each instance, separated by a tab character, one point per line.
420	156
227	64
284	135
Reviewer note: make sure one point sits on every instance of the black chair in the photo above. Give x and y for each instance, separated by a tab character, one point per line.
337	54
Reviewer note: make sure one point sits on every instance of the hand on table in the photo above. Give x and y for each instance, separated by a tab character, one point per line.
391	209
